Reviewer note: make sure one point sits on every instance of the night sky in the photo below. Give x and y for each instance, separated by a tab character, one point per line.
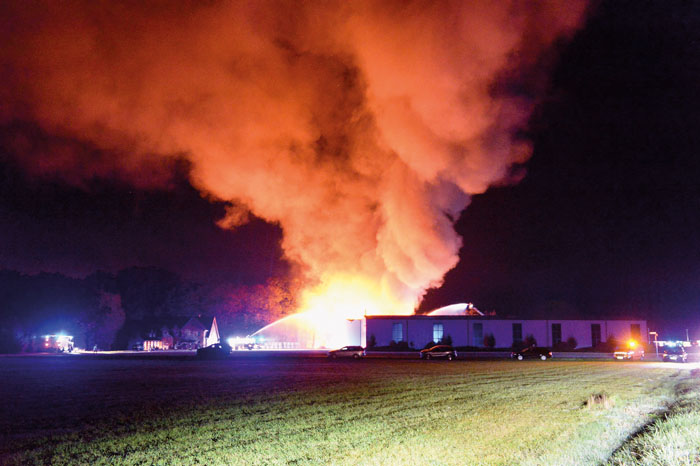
605	221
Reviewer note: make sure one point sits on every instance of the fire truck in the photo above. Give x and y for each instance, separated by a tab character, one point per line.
57	343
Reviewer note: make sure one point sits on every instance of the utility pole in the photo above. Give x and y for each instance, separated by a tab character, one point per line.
656	344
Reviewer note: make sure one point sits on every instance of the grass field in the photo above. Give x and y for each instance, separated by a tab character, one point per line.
249	411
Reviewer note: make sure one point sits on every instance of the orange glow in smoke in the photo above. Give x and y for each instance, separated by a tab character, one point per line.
360	128
352	298
328	311
329	306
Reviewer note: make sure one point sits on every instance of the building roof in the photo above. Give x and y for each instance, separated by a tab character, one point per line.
477	317
461	309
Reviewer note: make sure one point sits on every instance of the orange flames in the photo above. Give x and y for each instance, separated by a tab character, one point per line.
361	128
352	297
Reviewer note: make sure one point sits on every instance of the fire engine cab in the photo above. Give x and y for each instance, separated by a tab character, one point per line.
58	343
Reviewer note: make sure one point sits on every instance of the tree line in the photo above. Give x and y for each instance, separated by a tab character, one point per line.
98	308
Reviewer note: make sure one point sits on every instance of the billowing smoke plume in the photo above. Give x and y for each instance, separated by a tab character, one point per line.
361	128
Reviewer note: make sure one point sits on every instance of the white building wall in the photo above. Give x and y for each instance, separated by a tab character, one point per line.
622	330
381	329
502	330
582	331
419	331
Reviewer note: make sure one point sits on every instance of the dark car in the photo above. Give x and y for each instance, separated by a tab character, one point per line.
215	351
355	352
439	351
532	352
675	354
185	345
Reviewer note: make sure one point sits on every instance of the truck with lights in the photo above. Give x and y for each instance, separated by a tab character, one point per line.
631	351
57	343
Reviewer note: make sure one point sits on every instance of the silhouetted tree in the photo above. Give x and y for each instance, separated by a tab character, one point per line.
399	345
9	343
147	291
372	342
110	319
530	340
248	308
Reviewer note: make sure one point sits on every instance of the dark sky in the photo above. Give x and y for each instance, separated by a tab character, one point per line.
105	225
606	220
609	213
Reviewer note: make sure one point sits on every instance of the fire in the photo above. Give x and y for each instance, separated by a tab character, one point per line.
351	298
330	313
309	329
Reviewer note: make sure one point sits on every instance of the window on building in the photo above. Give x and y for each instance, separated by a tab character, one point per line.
517	333
438	332
636	332
478	339
556	334
397	332
595	335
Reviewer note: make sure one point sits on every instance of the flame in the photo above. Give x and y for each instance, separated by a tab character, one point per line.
352	297
327	312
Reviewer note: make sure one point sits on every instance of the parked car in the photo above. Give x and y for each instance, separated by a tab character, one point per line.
186	345
675	354
532	352
355	352
629	354
439	351
137	347
215	351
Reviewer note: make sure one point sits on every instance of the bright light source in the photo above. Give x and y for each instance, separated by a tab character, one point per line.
327	312
240	341
632	343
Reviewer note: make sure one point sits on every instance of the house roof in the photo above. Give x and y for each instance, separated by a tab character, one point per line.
199	323
194	324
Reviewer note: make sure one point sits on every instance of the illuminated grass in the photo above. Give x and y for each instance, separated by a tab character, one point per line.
672	438
307	411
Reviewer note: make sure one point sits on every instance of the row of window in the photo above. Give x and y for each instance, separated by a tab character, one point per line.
478	333
635	330
397	332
